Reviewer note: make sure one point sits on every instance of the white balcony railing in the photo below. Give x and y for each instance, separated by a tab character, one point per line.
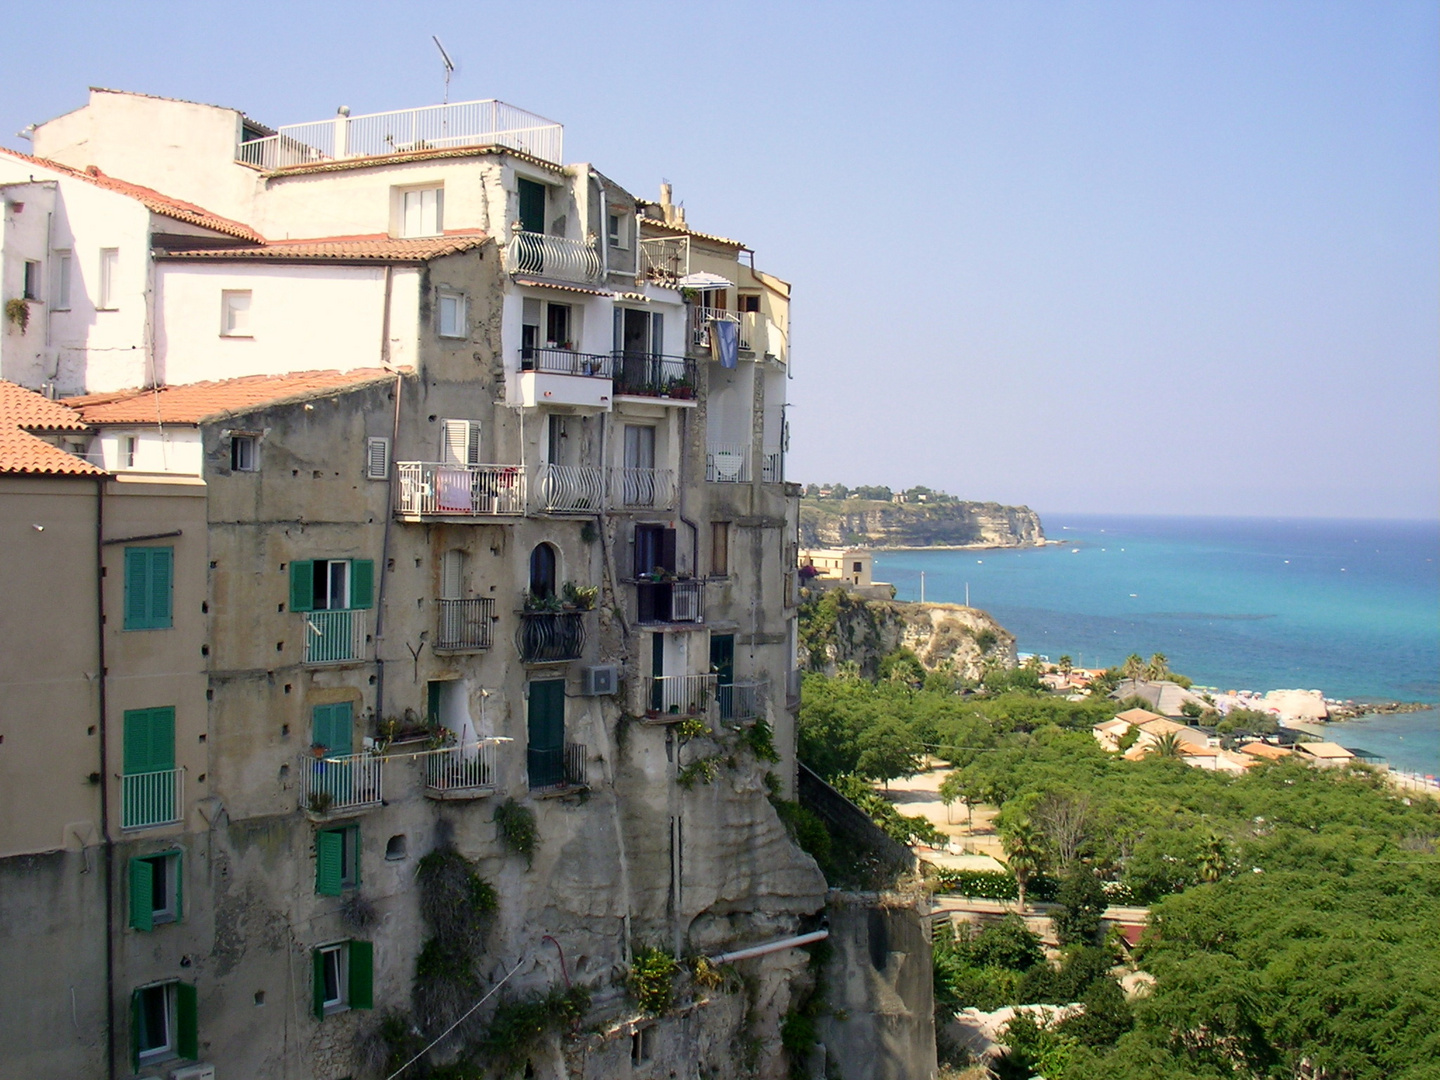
335	637
440	489
665	259
552	257
642	489
681	695
152	798
700	320
742	700
343	782
570	489
433	127
461	770
727	463
772	465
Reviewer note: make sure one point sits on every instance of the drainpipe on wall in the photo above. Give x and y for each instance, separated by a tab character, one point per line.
694	529
106	841
389	505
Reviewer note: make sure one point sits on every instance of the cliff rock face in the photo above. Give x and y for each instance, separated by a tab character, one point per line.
838	627
867	523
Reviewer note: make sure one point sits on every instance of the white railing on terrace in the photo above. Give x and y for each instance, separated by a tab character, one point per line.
700	320
462	768
665	259
727	463
552	257
742	700
441	489
334	637
570	489
682	695
642	489
772	465
343	782
433	127
152	798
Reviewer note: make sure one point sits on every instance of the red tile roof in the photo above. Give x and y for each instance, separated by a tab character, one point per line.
377	247
192	403
23	412
685	230
403	156
26	409
152	199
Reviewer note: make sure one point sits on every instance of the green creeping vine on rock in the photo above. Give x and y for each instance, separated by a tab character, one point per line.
652	980
515	825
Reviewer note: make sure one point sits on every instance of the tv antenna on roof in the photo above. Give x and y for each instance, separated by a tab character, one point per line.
449	66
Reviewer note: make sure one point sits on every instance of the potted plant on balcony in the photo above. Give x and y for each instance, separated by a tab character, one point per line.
550	603
580	597
681	388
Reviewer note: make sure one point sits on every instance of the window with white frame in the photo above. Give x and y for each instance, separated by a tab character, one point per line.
452	320
155	893
129	446
109	278
64	270
422	211
244	452
617	231
336	976
460	442
163	1018
235	313
32	280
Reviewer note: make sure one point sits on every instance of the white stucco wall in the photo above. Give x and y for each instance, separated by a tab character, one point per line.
158	449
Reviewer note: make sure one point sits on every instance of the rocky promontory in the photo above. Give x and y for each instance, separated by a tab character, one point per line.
826	522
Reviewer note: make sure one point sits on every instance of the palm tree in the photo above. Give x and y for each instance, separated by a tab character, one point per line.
1134	667
1167	745
1066	665
1214	858
1158	668
1025	855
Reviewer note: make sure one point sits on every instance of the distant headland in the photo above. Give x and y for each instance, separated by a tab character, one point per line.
832	515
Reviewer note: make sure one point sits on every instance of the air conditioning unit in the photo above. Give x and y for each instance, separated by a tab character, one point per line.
601	679
194	1072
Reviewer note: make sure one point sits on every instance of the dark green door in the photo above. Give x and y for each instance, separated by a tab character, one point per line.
657	669
722	663
546	752
529	243
332	728
149	785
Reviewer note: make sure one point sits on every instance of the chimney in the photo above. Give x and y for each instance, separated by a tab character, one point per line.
667	209
680	215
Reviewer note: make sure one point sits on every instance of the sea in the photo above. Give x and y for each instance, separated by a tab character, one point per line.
1350	608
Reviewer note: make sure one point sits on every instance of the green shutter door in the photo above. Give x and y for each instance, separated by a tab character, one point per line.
329	859
532	205
332	728
546	715
302	586
187	1022
317	989
137	592
722	662
362	584
149	740
142	892
161	575
362	975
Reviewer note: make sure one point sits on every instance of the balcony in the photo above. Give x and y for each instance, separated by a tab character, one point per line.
551	361
665	259
461	772
341	784
550	637
335	637
700	320
434	489
570	489
670	601
741	701
727	463
654	375
554	257
642	489
150	799
465	624
434	127
678	697
757	334
557	770
772	465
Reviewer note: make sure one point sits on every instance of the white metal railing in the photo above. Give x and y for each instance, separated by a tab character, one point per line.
727	463
681	695
665	259
334	637
772	465
462	768
342	782
632	488
552	257
447	490
152	798
570	489
432	127
700	320
742	700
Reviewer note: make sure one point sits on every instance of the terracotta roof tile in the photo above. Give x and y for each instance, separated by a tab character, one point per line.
378	247
21	452
685	230
1265	750
192	403
152	199
26	409
400	157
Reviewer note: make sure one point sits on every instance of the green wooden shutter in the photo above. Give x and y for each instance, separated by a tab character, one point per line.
362	584
137	592
302	585
137	741
162	738
317	990
362	975
142	890
532	205
331	727
329	855
162	564
135	1021
187	1021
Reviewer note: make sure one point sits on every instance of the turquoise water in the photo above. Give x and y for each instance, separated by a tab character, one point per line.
1348	607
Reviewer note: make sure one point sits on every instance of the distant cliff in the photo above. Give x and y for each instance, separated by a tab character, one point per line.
868	523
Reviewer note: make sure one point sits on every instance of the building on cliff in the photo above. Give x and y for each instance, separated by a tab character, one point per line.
432	499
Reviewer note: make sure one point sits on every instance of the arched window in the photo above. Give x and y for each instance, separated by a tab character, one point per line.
542	571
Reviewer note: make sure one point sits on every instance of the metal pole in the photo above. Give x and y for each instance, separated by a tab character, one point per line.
922	586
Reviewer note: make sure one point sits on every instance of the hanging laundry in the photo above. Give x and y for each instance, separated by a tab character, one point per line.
726	339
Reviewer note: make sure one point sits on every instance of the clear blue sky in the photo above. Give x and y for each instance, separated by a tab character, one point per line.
1137	257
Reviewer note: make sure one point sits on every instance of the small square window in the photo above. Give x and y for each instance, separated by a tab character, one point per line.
235	313
422	212
377	458
452	315
32	280
336	976
163	1018
244	453
344	977
749	303
337	866
617	231
155	890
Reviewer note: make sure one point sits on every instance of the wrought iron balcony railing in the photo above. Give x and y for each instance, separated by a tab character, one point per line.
680	696
740	701
552	361
465	624
570	489
552	257
559	767
670	601
642	489
551	636
647	374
